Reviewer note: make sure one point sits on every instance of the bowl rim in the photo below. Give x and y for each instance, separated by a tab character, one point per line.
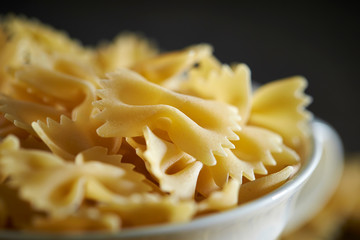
201	222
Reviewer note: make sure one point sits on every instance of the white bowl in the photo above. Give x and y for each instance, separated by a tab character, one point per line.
282	210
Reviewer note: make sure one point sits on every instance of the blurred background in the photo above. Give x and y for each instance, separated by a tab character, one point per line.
319	40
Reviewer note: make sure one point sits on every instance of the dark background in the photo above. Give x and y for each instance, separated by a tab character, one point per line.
318	40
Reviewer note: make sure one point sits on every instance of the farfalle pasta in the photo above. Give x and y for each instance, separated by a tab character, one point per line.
188	121
123	135
168	164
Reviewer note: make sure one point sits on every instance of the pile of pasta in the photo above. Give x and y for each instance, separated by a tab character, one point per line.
122	135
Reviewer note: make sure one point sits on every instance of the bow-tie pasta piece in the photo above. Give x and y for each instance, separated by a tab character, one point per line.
23	113
211	80
31	173
100	154
84	117
8	128
8	143
71	136
175	171
64	138
59	188
232	166
18	91
30	42
280	107
68	138
199	127
65	90
257	150
162	68
153	209
257	144
88	72
206	183
125	51
222	199
266	184
199	75
16	212
130	156
48	38
84	220
40	40
11	142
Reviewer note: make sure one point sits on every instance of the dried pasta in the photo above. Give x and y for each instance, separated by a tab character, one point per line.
122	135
169	165
85	219
188	120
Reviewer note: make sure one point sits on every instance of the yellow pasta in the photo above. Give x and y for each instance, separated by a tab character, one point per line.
197	126
65	90
86	219
169	165
152	209
125	51
65	138
23	113
68	184
161	69
280	107
252	190
30	42
122	135
211	80
223	199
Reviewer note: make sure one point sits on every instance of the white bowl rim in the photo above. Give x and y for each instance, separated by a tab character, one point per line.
198	223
